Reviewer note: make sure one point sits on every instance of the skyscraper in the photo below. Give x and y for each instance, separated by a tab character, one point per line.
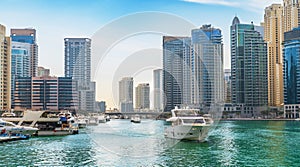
142	96
291	14
207	66
78	66
28	36
126	94
291	54
158	89
20	63
174	50
5	72
227	76
78	58
273	35
249	72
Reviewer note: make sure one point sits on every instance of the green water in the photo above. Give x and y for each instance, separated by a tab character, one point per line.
121	143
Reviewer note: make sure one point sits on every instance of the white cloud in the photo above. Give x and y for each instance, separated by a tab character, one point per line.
216	2
252	5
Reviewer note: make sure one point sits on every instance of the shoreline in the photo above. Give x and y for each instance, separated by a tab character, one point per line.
257	119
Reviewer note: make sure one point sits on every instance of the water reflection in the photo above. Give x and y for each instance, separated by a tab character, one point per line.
226	144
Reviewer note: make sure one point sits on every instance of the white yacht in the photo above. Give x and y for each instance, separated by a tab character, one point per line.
82	121
187	124
93	121
101	119
48	122
136	119
11	128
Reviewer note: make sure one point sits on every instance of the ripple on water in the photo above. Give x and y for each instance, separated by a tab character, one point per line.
121	143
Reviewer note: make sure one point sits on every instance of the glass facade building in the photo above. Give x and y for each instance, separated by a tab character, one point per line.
175	68
20	63
249	69
28	36
78	66
291	56
45	93
207	66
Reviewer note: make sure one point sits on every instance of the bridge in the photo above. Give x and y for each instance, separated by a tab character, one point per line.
150	115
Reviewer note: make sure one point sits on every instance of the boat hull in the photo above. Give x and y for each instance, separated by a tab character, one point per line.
135	121
55	133
187	132
82	125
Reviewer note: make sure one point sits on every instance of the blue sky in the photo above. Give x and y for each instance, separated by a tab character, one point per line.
57	19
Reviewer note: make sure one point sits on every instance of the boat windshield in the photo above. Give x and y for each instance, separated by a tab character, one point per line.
184	113
193	121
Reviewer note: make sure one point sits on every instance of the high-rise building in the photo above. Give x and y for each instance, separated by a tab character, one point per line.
78	66
78	58
175	67
158	90
86	92
43	72
291	54
101	106
5	71
207	66
273	35
45	93
249	72
126	94
28	36
227	78
142	96
291	14
20	63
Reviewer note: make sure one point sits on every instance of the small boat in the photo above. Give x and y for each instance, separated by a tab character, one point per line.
187	124
136	119
107	118
11	128
93	121
101	119
12	137
297	119
82	122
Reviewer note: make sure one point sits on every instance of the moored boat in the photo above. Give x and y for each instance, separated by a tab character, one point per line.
11	128
48	122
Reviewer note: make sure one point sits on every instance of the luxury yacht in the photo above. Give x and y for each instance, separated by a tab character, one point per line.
187	124
48	122
13	129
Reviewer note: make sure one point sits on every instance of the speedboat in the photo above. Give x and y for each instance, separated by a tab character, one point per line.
187	124
135	119
13	129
